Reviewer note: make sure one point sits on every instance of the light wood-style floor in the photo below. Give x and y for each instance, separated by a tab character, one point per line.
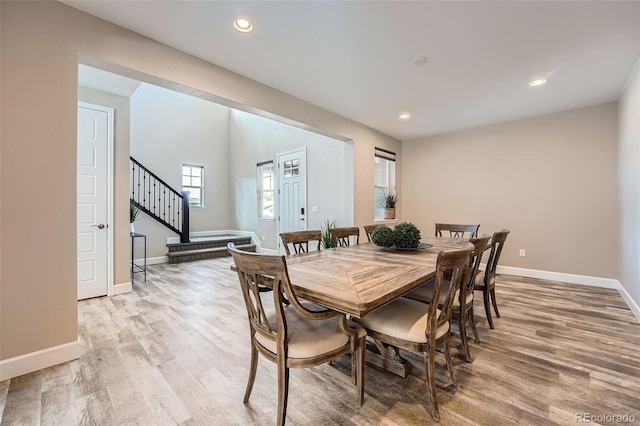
175	351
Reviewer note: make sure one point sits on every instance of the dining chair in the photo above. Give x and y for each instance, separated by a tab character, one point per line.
292	336
463	299
486	281
457	231
299	240
368	230
416	326
342	236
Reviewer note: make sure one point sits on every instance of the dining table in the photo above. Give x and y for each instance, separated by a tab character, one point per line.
359	278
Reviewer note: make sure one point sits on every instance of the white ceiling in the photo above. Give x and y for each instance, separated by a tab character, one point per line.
356	58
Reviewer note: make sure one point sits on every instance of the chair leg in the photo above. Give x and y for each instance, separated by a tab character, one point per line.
430	369
360	353
472	321
283	391
252	372
487	308
493	301
462	326
354	370
447	355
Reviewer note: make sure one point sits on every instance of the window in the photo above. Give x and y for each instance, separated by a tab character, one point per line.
384	180
193	181
265	190
291	168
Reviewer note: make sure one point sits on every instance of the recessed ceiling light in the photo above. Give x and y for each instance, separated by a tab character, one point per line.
404	116
242	25
537	82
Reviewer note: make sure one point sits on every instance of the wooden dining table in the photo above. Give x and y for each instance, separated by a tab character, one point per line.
359	278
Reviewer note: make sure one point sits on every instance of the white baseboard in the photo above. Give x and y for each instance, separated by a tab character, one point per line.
121	288
154	260
559	276
630	302
28	363
573	279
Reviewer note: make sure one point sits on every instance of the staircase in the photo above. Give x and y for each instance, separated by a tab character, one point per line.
159	200
170	208
200	248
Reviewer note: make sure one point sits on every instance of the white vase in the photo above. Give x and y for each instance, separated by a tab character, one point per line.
132	229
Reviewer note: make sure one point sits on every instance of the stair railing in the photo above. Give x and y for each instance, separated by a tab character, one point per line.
159	200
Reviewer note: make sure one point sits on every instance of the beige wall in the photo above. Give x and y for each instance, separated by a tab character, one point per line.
41	43
629	185
551	180
121	111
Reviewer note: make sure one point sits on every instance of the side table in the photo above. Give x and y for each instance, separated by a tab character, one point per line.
135	268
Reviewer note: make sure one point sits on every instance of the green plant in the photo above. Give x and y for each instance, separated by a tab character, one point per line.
389	201
383	236
134	211
406	235
327	241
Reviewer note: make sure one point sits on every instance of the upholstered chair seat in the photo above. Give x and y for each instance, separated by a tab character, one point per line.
425	294
405	319
308	338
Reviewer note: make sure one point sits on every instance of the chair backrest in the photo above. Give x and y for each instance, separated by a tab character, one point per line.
300	240
480	245
457	231
452	265
497	242
254	269
368	229
341	236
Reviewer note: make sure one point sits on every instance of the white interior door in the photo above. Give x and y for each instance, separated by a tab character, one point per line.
92	200
292	190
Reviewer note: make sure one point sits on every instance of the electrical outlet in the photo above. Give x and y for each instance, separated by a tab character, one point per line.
521	252
263	238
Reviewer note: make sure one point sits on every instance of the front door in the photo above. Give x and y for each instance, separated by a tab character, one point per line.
292	185
92	200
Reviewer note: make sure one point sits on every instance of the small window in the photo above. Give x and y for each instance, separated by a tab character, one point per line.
265	190
384	179
193	181
292	168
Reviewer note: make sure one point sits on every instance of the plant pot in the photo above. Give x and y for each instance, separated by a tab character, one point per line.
390	213
132	228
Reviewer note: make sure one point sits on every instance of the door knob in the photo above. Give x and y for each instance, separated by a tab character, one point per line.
99	226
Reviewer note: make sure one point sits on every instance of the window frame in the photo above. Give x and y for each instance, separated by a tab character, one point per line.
189	188
389	158
261	191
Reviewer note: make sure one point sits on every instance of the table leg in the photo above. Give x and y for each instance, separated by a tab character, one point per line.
387	357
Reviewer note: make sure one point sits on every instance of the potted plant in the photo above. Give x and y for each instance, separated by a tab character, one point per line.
134	212
389	204
406	236
383	236
327	240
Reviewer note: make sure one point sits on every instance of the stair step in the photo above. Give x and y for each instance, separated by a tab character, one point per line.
202	243
206	253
